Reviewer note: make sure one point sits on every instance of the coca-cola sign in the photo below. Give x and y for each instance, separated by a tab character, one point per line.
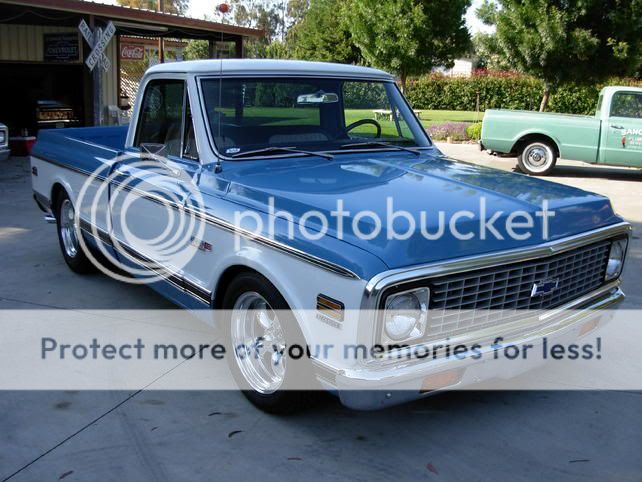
132	52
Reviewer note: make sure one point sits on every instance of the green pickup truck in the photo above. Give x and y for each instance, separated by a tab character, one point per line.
613	136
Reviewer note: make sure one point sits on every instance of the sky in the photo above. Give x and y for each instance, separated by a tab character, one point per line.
203	8
474	24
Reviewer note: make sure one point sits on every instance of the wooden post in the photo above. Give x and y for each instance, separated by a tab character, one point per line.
88	85
239	47
477	108
118	79
161	50
210	48
97	77
161	46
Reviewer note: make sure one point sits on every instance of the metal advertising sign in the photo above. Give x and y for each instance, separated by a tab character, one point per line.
132	52
61	47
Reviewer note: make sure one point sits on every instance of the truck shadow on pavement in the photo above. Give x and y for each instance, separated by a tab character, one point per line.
593	172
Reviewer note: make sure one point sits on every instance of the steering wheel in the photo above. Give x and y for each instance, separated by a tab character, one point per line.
363	122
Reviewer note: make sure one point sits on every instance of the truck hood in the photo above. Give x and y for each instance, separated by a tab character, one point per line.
431	184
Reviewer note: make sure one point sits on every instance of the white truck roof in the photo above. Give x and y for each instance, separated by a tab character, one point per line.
611	89
269	67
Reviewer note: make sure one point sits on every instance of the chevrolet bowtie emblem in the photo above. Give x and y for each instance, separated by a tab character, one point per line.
201	245
544	287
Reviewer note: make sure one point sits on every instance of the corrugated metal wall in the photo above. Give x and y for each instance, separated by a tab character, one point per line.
24	42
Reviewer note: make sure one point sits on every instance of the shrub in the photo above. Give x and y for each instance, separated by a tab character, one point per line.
453	93
503	90
455	130
474	131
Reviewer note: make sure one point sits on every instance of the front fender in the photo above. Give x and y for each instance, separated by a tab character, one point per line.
299	283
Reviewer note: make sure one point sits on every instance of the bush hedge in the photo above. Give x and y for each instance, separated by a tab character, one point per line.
503	91
473	131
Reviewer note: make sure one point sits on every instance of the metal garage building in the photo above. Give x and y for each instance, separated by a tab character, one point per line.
44	80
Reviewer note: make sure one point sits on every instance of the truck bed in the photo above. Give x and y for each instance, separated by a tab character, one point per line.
111	137
542	115
576	136
82	148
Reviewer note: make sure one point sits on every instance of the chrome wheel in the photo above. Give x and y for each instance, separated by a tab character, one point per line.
258	343
538	157
68	230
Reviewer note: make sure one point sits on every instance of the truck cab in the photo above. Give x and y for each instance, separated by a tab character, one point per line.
620	112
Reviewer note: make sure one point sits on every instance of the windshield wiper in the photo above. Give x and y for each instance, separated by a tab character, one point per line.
359	145
276	150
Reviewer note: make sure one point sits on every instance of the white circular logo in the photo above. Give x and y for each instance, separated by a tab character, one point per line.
140	205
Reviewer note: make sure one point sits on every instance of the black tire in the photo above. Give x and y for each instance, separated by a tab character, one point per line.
75	258
537	158
284	400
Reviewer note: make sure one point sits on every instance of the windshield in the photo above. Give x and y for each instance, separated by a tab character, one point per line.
308	114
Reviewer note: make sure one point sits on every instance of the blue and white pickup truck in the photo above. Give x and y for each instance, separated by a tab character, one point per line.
257	186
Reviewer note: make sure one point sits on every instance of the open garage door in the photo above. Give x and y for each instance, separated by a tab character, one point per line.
59	89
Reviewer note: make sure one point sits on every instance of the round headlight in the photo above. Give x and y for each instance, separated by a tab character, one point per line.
616	259
405	315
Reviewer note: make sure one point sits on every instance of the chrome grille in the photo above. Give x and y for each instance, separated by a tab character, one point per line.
463	302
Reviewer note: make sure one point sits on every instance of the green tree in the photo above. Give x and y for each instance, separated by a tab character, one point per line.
261	14
485	51
562	41
274	17
196	50
323	34
178	7
276	50
296	10
267	16
409	37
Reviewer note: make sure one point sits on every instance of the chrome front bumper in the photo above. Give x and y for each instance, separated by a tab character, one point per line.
372	387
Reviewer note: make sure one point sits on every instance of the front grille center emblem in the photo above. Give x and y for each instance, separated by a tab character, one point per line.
544	287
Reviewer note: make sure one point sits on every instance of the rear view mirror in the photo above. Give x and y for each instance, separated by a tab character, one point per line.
318	98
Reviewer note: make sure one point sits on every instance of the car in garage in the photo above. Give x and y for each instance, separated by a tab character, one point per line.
55	114
612	136
250	157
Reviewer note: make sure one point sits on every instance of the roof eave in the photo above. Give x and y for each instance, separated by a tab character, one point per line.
138	15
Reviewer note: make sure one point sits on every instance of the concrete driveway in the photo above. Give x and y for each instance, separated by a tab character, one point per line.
161	435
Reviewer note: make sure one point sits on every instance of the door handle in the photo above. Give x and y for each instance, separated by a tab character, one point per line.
616	127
